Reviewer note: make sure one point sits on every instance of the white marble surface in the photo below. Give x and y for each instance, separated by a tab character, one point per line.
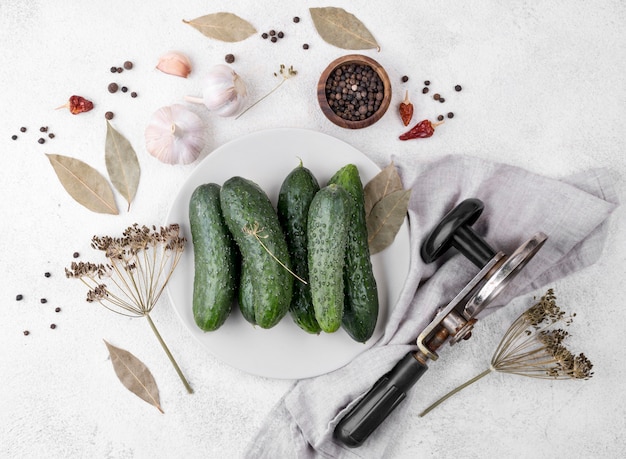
543	89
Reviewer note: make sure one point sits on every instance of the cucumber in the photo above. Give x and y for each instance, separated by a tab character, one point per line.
294	198
361	308
247	208
246	305
327	232
216	259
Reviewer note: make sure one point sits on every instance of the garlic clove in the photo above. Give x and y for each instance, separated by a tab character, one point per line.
174	63
224	91
175	135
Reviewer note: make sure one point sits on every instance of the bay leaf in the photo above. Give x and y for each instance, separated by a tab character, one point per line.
223	26
84	183
386	218
385	182
134	375
122	164
342	29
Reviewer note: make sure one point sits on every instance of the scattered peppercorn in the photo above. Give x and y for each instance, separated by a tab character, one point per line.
450	115
53	326
442	100
26	333
19	297
57	309
405	79
425	90
120	70
14	137
305	46
272	33
22	129
133	94
43	301
128	65
458	88
41	140
280	35
124	89
113	69
436	96
427	83
296	19
229	58
76	254
113	87
51	135
273	39
109	116
47	274
43	129
440	118
264	35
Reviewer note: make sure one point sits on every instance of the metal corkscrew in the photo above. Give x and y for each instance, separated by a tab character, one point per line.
451	323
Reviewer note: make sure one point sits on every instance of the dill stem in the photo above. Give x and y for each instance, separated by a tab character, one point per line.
266	95
456	390
169	354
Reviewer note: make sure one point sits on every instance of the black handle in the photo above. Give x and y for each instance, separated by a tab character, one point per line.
379	402
455	230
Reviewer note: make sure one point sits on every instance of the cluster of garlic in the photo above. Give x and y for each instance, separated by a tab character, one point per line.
175	134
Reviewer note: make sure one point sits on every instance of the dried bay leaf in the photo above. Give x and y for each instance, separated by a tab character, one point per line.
122	164
342	29
134	375
84	183
223	26
385	182
386	218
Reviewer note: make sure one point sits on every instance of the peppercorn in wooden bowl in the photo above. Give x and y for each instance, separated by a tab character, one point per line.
354	91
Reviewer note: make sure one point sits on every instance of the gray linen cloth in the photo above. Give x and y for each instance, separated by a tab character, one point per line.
572	211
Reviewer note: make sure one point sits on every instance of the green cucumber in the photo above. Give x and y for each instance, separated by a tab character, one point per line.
248	212
216	259
361	308
327	232
246	304
295	196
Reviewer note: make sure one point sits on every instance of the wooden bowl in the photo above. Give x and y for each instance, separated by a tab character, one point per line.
330	70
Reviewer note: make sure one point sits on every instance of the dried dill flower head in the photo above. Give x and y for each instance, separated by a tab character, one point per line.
533	346
139	266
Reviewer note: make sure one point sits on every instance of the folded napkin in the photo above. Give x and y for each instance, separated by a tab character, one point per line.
573	212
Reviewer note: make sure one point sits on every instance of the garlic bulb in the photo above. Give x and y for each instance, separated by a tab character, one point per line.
175	135
224	91
175	63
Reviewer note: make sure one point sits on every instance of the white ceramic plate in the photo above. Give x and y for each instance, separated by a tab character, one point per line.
284	351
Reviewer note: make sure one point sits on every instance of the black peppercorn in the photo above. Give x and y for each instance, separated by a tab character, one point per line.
113	69
427	83
272	33
264	35
43	129
450	115
47	274
109	116
43	301
458	88
440	118
26	333
296	19
124	89
405	79
76	254
22	129
133	94
51	135
53	326
229	58
128	65
305	46
120	70
273	39
14	137
280	35
41	140
57	309
442	100
19	297
425	90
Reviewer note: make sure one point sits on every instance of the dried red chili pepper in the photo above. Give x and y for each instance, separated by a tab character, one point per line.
421	130
406	109
77	104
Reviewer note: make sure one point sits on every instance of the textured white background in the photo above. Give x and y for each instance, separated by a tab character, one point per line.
543	89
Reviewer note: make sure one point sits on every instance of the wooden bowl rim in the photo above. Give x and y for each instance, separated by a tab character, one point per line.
356	59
